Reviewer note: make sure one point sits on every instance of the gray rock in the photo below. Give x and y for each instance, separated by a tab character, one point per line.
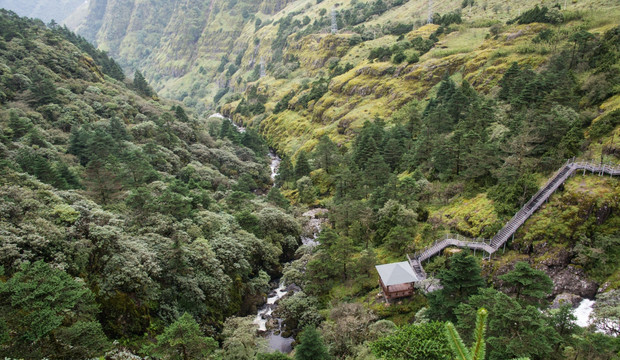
572	280
566	298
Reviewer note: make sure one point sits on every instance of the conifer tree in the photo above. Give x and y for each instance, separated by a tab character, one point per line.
302	167
478	349
117	129
180	114
326	154
140	84
18	125
54	313
393	152
461	280
311	346
43	92
507	81
286	172
529	285
275	197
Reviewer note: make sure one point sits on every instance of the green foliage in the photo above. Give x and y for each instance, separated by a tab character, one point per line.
43	92
539	14
275	197
460	280
311	346
606	314
183	340
349	326
49	314
107	64
605	124
145	232
140	84
300	311
272	356
514	330
302	166
283	103
529	286
241	341
317	90
477	351
414	341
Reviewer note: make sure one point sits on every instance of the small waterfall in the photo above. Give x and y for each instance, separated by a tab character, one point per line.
276	341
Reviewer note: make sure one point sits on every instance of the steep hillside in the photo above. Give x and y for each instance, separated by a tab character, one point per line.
46	10
403	130
215	58
119	213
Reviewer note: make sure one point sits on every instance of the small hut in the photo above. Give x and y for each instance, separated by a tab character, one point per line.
396	279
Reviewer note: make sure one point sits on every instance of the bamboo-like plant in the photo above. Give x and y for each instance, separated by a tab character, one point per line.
478	349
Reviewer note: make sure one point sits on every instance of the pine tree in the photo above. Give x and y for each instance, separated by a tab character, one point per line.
78	143
376	173
50	315
180	114
117	129
306	190
140	84
275	197
19	126
507	81
326	154
286	171
43	92
529	285
478	349
311	346
393	152
302	167
461	280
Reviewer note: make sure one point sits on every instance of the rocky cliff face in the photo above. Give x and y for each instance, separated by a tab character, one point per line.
168	40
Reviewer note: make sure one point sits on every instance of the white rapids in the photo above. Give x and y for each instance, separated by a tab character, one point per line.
583	312
240	128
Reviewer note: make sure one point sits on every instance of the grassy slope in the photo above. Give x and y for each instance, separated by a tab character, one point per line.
378	89
180	49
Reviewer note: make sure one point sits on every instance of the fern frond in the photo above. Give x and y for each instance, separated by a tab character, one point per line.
456	343
479	348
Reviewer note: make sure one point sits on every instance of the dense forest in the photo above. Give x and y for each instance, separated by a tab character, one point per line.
120	213
133	226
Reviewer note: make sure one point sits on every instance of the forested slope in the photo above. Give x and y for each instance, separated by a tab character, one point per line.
403	130
119	213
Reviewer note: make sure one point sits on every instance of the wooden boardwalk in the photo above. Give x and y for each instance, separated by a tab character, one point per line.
502	237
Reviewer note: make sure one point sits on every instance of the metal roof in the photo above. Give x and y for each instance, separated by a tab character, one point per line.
396	273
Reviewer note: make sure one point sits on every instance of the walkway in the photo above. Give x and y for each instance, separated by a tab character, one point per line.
500	239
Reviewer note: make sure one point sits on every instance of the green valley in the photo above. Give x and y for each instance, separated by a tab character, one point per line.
218	179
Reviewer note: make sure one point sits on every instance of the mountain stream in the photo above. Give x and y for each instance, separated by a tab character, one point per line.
313	227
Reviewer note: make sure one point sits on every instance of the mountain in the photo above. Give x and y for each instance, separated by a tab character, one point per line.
397	126
209	53
108	197
46	10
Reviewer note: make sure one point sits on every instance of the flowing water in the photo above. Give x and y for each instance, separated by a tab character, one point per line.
583	312
240	128
275	164
283	344
274	336
276	341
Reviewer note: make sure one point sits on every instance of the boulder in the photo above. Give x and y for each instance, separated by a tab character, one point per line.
566	298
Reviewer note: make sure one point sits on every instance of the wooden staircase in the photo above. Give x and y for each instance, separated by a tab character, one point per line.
502	237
